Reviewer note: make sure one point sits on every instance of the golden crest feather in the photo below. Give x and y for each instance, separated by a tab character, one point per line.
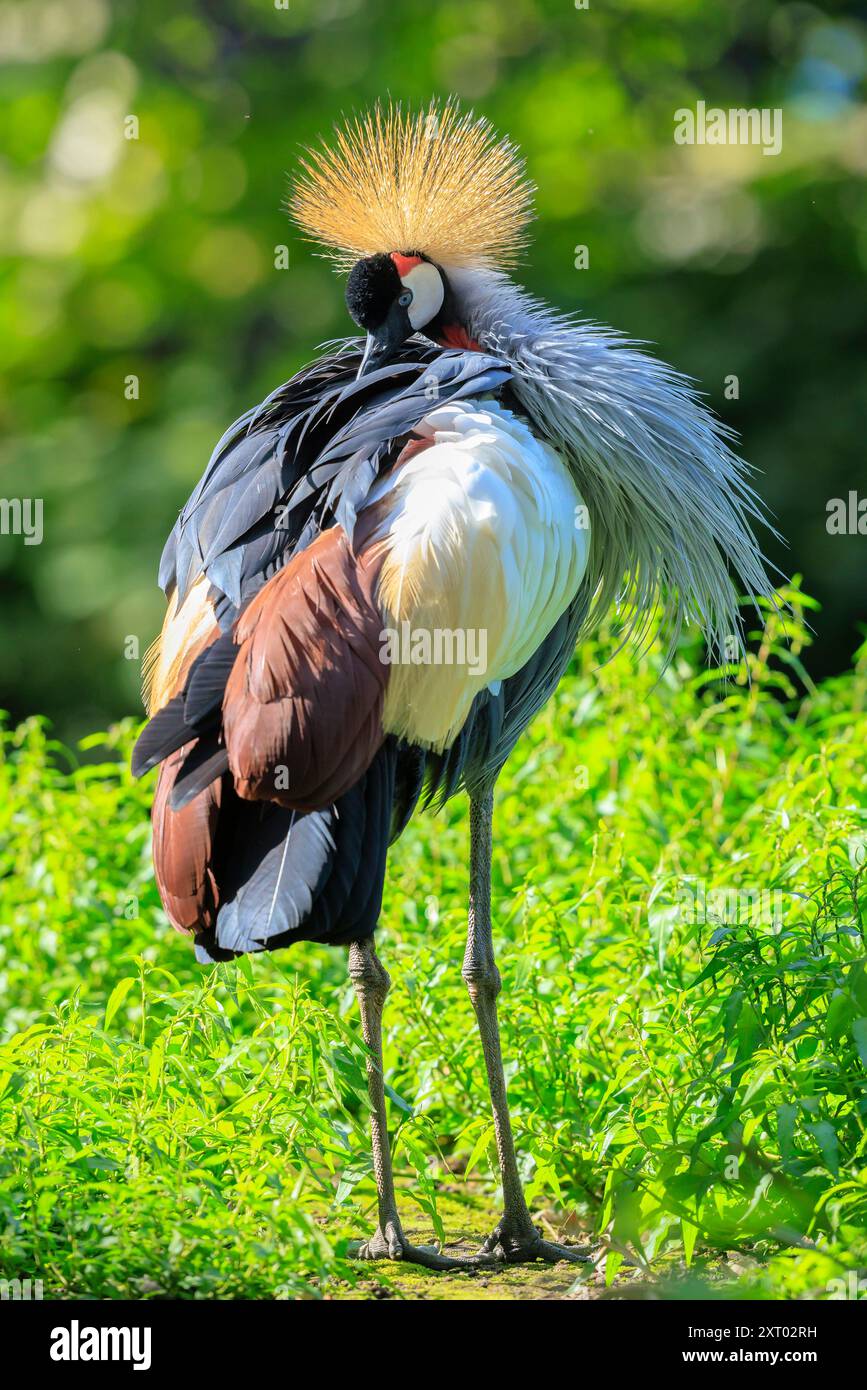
437	180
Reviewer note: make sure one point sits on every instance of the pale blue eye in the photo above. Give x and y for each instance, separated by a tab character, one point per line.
405	298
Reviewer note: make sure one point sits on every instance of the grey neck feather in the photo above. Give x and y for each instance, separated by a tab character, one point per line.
669	502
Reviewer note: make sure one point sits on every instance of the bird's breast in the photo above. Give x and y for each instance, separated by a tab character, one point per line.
484	541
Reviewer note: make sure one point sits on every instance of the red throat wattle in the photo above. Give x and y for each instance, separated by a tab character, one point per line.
455	335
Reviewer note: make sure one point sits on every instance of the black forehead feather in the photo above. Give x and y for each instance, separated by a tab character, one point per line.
371	289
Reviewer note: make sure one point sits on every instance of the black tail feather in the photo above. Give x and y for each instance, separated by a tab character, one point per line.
206	761
193	712
206	686
164	734
289	875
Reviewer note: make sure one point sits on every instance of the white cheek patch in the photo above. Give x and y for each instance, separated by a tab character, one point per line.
428	293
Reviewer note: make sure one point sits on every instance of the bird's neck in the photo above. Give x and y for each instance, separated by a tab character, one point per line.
481	306
450	328
455	334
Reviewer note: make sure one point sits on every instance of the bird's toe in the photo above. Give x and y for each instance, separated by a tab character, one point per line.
392	1244
513	1246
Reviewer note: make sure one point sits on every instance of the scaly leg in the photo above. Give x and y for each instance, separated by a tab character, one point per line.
515	1239
389	1243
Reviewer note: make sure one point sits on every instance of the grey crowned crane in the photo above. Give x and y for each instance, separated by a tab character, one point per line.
480	470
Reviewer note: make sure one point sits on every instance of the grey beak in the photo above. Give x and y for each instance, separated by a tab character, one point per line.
384	341
366	363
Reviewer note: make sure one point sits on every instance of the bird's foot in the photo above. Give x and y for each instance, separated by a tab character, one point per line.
390	1243
522	1244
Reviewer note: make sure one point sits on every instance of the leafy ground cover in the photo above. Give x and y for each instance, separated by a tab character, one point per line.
679	893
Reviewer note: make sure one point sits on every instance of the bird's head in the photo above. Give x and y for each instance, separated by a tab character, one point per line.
393	295
398	201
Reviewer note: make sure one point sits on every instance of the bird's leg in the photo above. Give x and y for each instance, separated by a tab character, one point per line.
372	982
515	1238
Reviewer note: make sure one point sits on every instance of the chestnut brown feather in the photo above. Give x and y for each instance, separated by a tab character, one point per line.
302	713
183	843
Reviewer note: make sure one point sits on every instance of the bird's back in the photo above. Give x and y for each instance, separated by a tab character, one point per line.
372	589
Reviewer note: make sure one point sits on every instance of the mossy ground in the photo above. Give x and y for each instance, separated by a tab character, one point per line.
469	1216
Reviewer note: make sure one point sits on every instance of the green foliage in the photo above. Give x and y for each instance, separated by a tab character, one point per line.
679	888
157	257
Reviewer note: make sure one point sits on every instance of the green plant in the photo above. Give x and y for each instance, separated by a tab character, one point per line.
680	889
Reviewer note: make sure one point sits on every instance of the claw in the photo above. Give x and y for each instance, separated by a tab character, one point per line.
501	1247
392	1244
510	1248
